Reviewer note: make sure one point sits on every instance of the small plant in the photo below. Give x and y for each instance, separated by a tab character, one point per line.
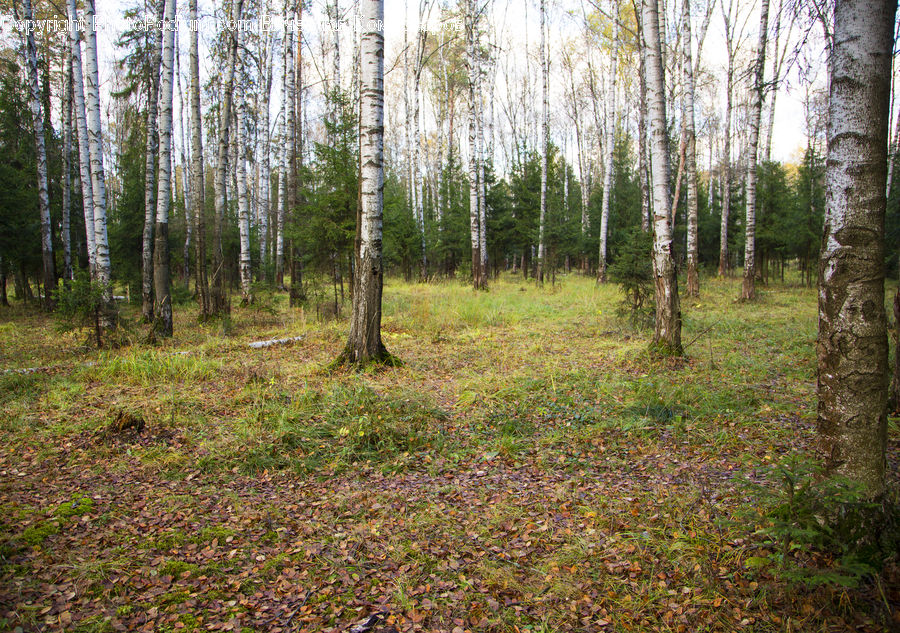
633	270
82	303
811	517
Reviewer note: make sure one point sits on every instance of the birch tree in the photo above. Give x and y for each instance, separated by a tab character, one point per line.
37	120
472	67
852	349
84	157
218	302
161	272
68	272
156	43
364	344
609	147
693	256
95	145
667	332
265	149
730	36
243	205
748	288
545	142
197	180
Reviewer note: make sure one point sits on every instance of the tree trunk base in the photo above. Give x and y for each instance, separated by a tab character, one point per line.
353	358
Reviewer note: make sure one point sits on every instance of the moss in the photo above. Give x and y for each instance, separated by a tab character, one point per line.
36	534
78	506
176	568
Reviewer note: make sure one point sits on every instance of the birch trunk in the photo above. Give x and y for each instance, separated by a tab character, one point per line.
693	256
185	188
197	180
295	295
545	143
264	166
68	273
95	145
84	157
219	302
726	159
643	139
474	225
667	333
150	163
364	344
852	345
37	119
610	146
482	195
243	206
162	307
748	288
417	141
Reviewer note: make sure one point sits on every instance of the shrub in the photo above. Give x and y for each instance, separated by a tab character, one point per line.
633	270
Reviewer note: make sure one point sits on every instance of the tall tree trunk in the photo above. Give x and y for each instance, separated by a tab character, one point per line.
243	205
474	224
84	157
852	345
197	180
667	333
748	288
219	301
364	344
161	278
68	272
37	119
610	146
693	256
295	296
95	145
150	164
726	159
643	137
264	165
185	185
482	195
545	143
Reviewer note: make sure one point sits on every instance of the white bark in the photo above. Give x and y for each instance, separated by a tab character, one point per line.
68	272
474	225
852	347
185	182
37	119
545	142
610	148
243	204
265	142
693	279
218	301
150	161
161	279
667	333
84	157
756	98
95	145
197	179
364	344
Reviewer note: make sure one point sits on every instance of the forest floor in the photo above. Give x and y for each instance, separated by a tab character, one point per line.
530	467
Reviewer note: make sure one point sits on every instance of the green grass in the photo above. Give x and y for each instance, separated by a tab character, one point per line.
530	455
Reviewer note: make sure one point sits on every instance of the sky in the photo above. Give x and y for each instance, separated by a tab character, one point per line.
508	16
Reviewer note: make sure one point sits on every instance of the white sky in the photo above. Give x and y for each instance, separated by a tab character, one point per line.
508	16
